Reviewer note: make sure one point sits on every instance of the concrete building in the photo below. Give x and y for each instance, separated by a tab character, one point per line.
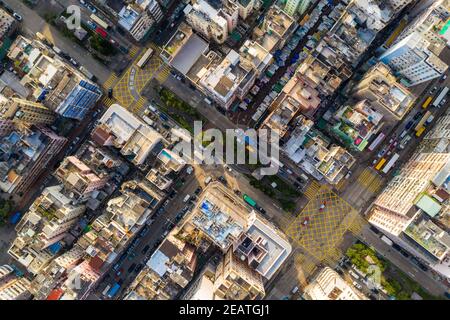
13	287
25	112
429	24
328	285
382	90
25	155
78	179
227	222
208	21
7	25
294	6
394	209
169	270
356	124
121	129
315	154
46	223
274	30
139	17
236	280
51	81
412	59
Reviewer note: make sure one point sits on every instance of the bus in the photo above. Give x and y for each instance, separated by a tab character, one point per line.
144	59
390	163
99	22
377	141
441	96
420	131
249	200
427	102
113	291
380	164
422	121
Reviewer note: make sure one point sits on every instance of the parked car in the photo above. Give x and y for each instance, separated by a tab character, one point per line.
17	16
92	8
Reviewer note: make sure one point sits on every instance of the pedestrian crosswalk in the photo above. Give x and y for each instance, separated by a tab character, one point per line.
163	73
370	180
107	102
312	190
340	184
133	51
110	81
139	105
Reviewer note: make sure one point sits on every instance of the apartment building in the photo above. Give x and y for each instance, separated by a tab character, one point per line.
275	29
25	112
139	17
210	22
46	223
328	285
236	280
233	77
54	83
13	287
7	25
356	124
315	154
381	89
25	155
78	179
227	222
120	129
413	59
394	209
169	270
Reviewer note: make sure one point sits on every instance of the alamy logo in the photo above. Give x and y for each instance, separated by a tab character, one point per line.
236	146
73	21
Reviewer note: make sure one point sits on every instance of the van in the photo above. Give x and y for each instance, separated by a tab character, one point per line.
294	290
186	199
152	108
105	291
404	132
207	101
208	180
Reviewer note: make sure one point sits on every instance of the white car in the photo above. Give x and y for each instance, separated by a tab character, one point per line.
17	16
357	285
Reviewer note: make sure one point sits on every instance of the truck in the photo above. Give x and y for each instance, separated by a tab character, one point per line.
249	200
113	291
427	102
88	74
420	131
422	121
15	218
442	95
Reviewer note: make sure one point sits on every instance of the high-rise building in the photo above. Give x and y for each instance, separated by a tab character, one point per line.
207	20
328	285
382	90
24	155
26	112
236	280
7	25
412	59
78	179
394	208
13	287
293	6
47	222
